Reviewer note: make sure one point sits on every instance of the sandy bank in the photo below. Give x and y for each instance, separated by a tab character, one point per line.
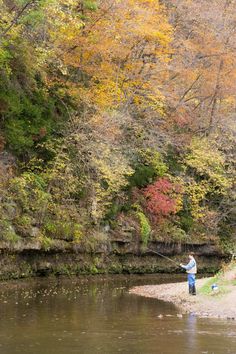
214	305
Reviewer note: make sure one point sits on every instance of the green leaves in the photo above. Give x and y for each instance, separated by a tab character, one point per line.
145	228
149	166
27	122
90	5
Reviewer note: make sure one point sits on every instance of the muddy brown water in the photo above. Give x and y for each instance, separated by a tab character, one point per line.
98	315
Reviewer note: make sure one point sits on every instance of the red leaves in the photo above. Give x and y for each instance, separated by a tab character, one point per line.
159	200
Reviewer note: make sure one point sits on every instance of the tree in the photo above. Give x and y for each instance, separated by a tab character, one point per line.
161	199
116	57
202	88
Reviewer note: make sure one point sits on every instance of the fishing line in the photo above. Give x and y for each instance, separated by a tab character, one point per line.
162	255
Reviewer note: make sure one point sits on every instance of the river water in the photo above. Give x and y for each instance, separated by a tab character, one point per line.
98	315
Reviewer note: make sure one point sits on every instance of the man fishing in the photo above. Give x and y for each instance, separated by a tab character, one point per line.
191	269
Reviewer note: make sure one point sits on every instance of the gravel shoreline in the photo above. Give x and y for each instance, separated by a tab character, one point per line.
214	306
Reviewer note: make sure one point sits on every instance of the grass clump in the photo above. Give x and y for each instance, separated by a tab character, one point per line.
224	279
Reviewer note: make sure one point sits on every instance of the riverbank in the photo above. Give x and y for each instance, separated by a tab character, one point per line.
29	259
207	303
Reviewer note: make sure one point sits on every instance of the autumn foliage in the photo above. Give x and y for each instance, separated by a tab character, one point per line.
160	201
111	107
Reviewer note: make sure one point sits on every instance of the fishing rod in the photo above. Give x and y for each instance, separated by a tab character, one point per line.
162	255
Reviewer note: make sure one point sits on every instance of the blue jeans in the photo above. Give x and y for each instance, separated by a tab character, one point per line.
191	279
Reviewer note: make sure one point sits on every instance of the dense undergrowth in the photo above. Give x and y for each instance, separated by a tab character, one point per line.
92	146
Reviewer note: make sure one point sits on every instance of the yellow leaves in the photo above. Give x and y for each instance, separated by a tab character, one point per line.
112	167
105	50
10	29
156	103
104	96
147	97
228	104
112	52
112	171
179	191
196	193
66	25
208	161
178	202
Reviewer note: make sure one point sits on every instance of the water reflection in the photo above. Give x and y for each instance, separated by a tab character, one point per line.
97	315
192	331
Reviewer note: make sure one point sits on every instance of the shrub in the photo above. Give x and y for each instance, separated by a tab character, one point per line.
170	232
23	224
149	166
7	232
186	222
159	200
145	228
46	242
63	229
208	163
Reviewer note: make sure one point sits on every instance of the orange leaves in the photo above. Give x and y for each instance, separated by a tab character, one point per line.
118	49
204	65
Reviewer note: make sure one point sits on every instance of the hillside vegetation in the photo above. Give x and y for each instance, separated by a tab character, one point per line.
117	115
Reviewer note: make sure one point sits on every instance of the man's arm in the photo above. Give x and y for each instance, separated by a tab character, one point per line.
189	266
